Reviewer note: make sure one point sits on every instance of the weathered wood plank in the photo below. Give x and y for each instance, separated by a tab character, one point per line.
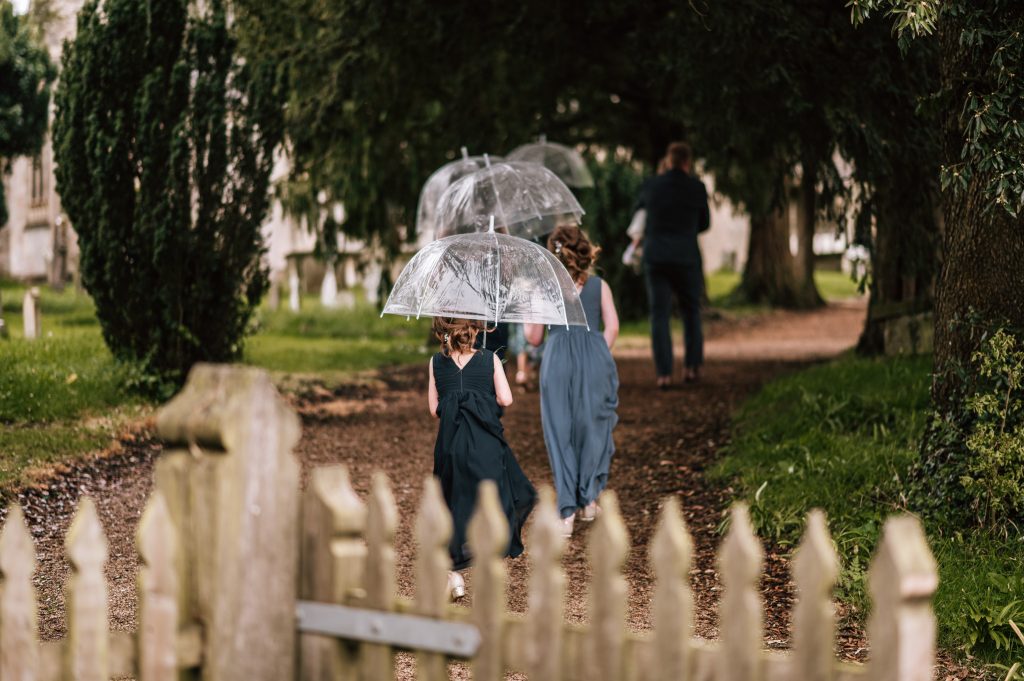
87	655
157	593
488	541
741	613
433	532
815	570
902	579
546	597
671	555
378	660
609	544
19	650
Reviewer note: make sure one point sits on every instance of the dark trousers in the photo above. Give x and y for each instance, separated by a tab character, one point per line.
686	282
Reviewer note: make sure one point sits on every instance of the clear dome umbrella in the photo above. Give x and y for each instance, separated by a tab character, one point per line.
487	276
441	179
563	161
525	200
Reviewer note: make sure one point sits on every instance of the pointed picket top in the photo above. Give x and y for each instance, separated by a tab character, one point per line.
156	540
19	650
547	591
902	580
547	543
17	550
671	555
333	486
488	529
433	532
85	543
742	613
815	570
609	541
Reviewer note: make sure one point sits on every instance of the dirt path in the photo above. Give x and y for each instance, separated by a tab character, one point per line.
665	441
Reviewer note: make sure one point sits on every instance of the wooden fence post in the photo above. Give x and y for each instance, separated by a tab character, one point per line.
377	659
901	630
547	591
433	532
607	549
740	611
333	560
815	569
231	485
157	639
87	653
672	606
488	540
19	649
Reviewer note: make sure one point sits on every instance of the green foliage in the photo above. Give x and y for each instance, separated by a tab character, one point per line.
25	76
995	474
166	141
842	437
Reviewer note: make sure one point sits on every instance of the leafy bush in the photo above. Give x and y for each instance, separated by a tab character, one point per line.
991	610
995	472
166	143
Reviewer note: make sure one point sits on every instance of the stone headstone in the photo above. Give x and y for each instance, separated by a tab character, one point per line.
909	334
30	314
329	287
293	285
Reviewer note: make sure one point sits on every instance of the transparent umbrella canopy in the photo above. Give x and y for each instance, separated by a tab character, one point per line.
441	179
563	161
525	200
487	276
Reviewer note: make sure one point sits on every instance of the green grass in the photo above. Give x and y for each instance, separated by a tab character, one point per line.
841	437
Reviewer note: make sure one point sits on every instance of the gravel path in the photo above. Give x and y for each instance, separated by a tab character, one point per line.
665	441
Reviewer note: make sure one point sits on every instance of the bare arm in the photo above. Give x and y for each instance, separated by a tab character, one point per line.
432	390
609	315
534	333
501	388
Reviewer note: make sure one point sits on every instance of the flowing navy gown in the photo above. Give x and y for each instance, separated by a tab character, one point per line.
579	393
471	447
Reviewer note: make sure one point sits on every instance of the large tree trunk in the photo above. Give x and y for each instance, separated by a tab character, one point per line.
806	222
771	275
904	254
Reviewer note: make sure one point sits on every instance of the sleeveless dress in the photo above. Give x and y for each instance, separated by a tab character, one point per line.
471	447
579	386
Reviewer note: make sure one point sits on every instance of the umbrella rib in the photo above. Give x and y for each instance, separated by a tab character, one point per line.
565	311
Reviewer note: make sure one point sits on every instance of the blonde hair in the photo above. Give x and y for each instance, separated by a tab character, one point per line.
570	244
456	335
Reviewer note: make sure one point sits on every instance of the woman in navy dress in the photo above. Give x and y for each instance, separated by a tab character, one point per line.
467	393
579	385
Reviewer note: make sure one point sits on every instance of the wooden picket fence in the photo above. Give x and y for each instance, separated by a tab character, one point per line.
245	577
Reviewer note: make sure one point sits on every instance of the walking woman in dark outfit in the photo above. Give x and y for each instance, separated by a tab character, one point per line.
677	211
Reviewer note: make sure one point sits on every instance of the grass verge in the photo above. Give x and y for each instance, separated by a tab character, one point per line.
840	437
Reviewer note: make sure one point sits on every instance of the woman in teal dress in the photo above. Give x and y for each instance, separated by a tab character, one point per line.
579	385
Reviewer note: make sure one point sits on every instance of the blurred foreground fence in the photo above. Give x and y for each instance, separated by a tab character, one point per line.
244	577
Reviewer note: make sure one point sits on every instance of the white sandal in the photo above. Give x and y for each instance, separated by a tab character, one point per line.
590	513
567	524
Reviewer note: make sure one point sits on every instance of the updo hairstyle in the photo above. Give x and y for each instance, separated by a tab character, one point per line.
456	335
570	244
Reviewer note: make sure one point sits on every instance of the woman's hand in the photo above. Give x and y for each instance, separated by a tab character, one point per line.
534	333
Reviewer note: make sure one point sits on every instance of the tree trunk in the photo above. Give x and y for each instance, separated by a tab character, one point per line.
806	221
771	276
904	254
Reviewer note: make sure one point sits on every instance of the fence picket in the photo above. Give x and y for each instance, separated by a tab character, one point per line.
382	518
488	540
607	549
547	591
87	652
332	558
433	532
672	607
19	649
815	569
157	593
902	580
741	615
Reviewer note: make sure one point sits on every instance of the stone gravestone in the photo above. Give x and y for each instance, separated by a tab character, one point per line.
30	314
3	325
